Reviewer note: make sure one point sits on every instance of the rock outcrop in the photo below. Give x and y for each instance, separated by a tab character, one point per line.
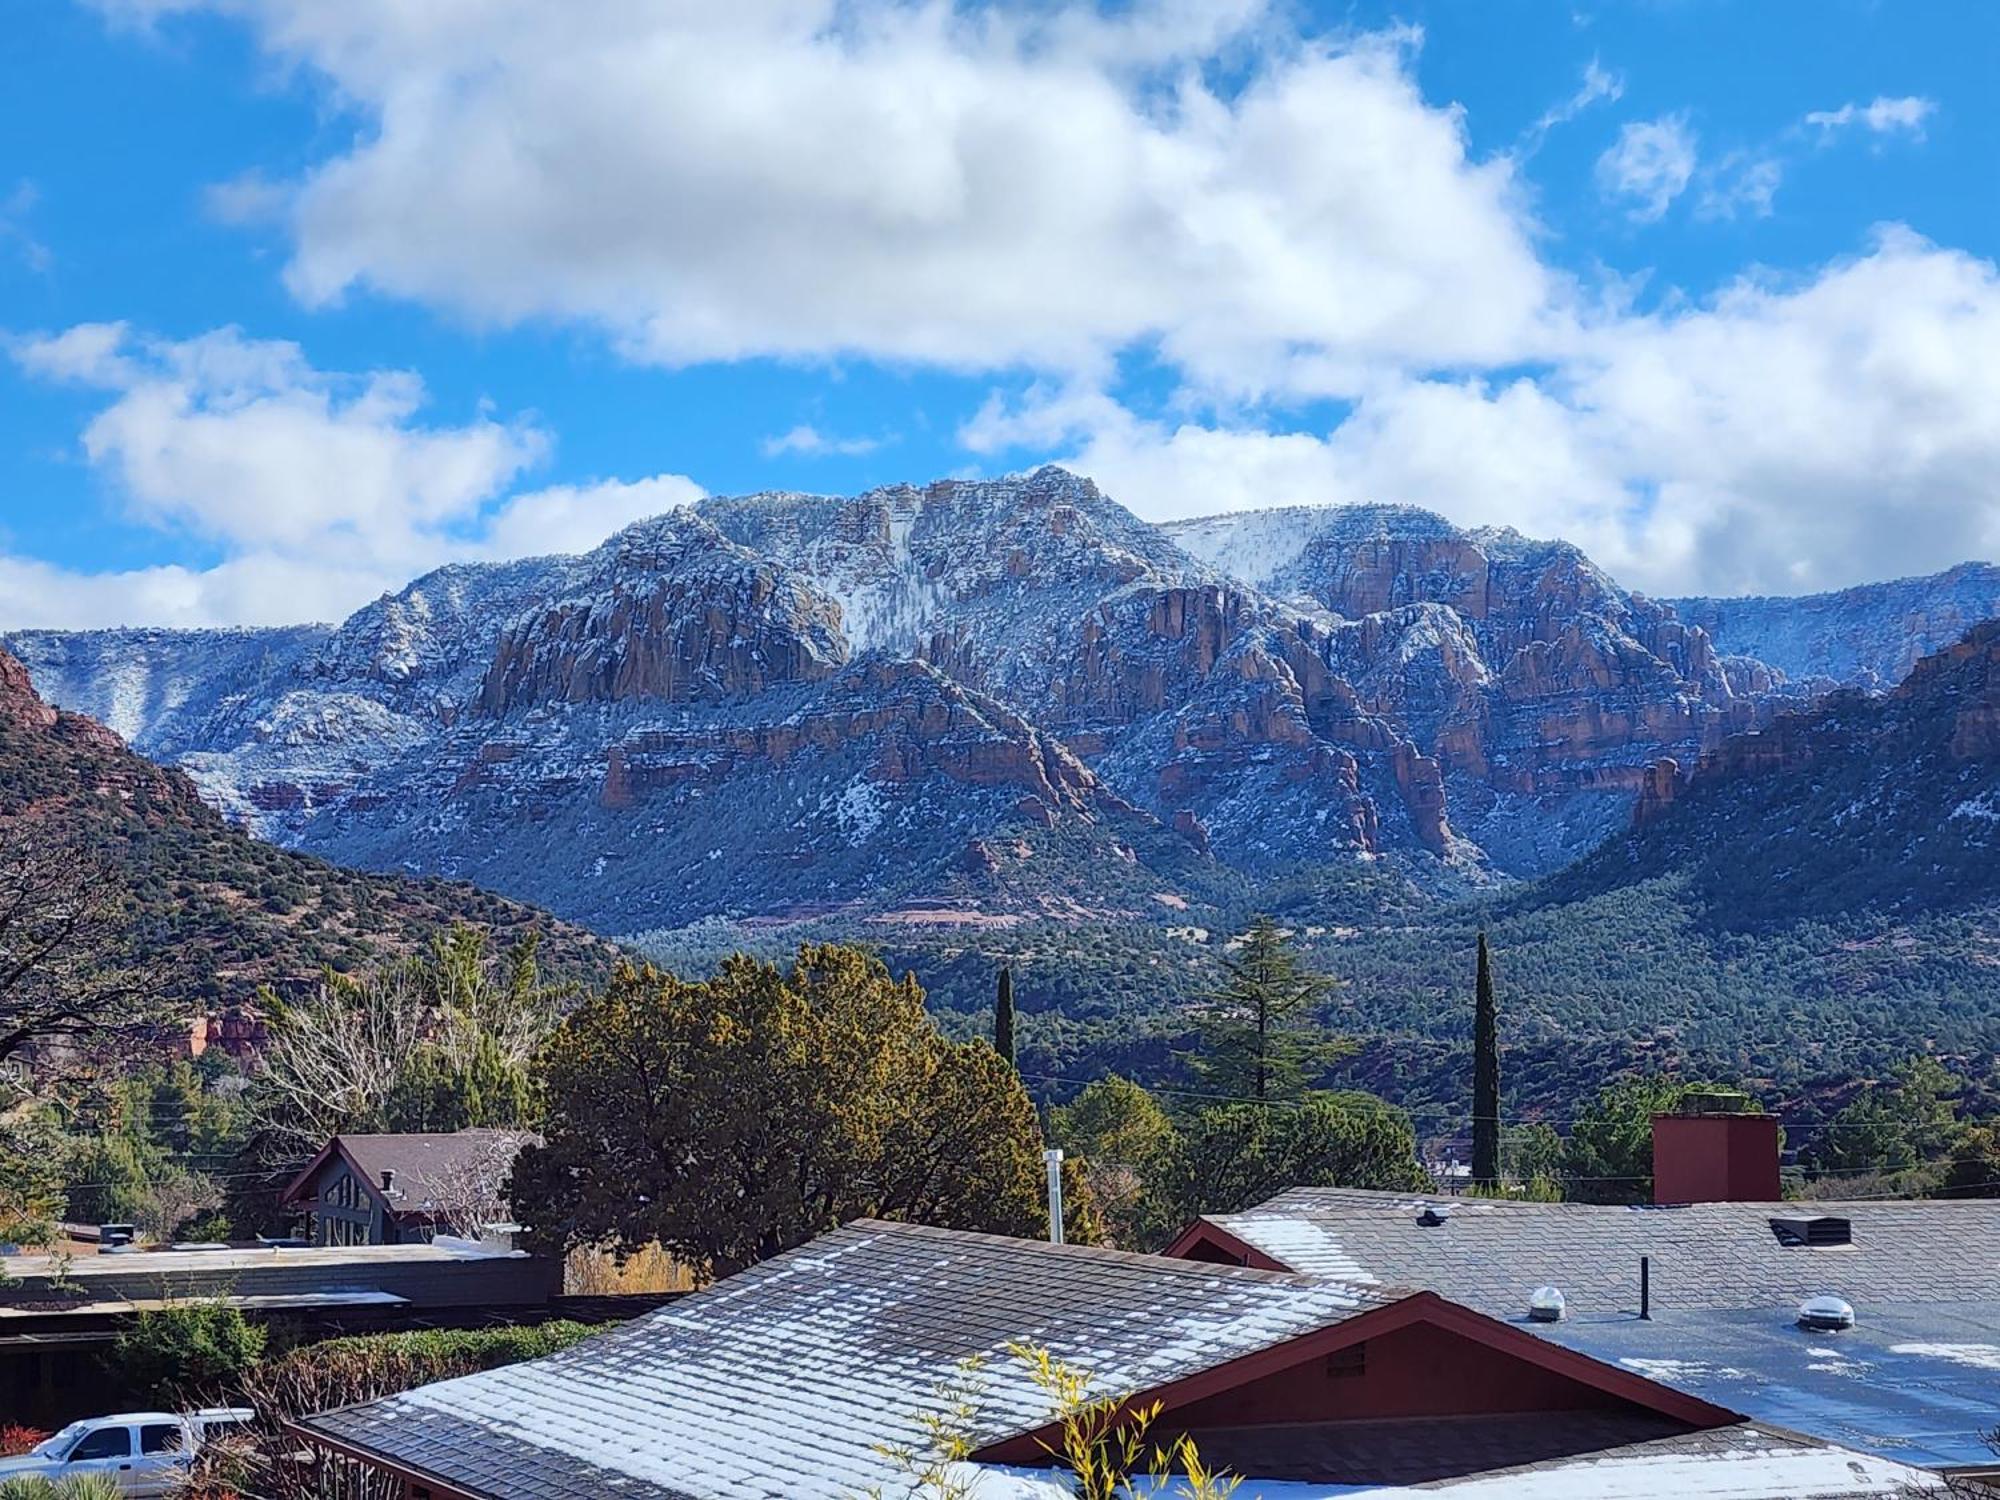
671	611
1887	802
915	672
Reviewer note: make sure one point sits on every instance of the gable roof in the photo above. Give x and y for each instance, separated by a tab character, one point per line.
1918	1378
424	1162
785	1379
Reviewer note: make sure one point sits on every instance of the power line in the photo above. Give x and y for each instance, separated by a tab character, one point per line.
1444	1112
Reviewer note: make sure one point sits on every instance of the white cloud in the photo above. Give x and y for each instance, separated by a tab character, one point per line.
15	210
1882	116
1650	163
242	441
317	490
575	518
1044	192
1779	438
1742	183
1599	85
976	187
810	440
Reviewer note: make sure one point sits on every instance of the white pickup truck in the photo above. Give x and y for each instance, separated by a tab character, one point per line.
142	1452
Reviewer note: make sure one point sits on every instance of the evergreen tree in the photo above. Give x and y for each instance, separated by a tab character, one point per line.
1485	1077
1003	1016
1973	1168
1228	1156
1609	1158
1118	1135
1258	1040
733	1118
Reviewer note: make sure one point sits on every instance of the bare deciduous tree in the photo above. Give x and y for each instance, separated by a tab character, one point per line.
332	1059
335	1061
68	974
471	1192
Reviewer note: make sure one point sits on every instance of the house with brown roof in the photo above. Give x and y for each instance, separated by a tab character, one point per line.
402	1189
802	1377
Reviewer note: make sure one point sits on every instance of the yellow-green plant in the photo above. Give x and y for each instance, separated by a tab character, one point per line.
1102	1439
932	1469
73	1487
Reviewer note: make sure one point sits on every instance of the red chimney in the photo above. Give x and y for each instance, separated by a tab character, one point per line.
1715	1151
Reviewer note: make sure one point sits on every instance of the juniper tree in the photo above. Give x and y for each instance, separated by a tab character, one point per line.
733	1118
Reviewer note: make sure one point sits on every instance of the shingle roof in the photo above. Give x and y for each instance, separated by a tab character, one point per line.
1917	1379
781	1382
1492	1254
425	1162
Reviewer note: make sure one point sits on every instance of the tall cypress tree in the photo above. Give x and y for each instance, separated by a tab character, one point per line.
1003	1016
1485	1077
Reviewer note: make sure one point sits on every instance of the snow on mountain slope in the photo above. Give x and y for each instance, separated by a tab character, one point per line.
165	692
1869	636
784	699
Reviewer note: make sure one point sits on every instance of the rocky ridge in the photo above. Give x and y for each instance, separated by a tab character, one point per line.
1881	802
971	697
1871	636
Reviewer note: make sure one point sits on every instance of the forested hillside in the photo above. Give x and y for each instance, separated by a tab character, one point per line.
214	912
1813	901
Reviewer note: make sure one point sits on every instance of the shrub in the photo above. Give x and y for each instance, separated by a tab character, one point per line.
368	1367
190	1349
16	1439
75	1487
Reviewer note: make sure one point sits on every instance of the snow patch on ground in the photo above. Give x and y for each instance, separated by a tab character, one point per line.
858	810
1973	1356
1981	809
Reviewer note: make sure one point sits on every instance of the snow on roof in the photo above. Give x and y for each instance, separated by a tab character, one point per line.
787	1379
1911	1381
322	1260
1733	1463
1493	1253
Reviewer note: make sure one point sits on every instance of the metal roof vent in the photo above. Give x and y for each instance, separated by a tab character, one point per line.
1546	1305
1432	1216
1816	1230
1825	1315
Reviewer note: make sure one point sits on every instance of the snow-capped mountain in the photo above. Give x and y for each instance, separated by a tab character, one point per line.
969	701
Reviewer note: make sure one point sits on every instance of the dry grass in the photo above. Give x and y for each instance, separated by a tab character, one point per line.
590	1271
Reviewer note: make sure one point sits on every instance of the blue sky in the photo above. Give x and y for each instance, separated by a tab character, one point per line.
301	297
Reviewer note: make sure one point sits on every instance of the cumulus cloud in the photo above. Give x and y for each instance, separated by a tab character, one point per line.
575	518
317	489
1776	438
1648	165
1261	215
1880	116
242	441
809	440
975	187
